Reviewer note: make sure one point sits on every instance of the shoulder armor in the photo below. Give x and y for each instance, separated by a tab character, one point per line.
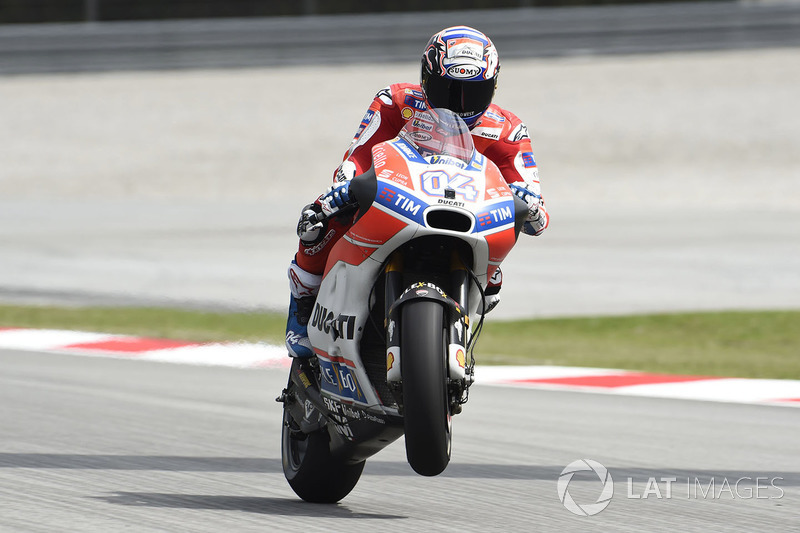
385	95
519	133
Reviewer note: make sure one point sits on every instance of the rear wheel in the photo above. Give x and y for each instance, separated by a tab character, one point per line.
423	360
311	471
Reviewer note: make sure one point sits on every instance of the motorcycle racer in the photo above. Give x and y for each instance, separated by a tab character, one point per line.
459	71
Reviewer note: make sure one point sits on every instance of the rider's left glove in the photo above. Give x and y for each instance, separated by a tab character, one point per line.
335	198
530	195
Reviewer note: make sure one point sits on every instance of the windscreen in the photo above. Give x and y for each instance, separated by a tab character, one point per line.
439	132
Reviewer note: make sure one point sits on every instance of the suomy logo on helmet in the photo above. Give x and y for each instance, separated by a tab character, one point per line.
463	71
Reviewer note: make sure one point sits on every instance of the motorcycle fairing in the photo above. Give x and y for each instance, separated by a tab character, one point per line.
399	213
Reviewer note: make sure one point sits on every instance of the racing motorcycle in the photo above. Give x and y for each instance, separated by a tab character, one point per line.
392	325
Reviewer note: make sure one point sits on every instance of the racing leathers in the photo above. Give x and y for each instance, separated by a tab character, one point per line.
499	135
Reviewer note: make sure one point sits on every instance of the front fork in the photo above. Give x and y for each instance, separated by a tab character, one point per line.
459	369
393	291
459	327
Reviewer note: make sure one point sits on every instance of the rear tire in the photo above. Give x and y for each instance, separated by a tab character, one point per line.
311	471
423	360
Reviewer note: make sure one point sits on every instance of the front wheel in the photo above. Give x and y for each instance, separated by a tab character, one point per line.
311	471
423	360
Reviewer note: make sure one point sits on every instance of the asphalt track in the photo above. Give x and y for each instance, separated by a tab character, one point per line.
93	444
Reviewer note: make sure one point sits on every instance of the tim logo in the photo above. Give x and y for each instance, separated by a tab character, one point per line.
414	102
527	160
496	216
401	201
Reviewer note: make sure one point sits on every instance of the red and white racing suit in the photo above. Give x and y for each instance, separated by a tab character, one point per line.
499	135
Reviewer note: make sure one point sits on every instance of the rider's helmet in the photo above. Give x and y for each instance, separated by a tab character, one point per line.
459	72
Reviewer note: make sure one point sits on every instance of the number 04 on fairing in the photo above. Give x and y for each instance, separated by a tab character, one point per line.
391	327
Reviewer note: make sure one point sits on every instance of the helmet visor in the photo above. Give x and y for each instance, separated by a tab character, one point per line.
462	97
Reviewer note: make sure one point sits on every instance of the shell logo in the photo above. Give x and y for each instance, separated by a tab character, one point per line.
389	361
461	358
407	113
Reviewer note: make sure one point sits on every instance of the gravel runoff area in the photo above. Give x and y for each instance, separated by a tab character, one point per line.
673	180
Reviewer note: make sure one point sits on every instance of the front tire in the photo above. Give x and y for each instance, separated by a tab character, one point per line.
423	360
311	471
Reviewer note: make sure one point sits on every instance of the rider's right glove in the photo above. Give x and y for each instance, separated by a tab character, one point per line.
335	198
309	229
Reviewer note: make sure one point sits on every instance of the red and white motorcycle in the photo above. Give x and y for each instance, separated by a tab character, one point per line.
392	326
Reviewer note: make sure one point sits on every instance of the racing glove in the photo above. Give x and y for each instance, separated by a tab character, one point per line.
530	194
335	198
309	229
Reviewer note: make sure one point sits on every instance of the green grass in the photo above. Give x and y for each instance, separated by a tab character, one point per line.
198	326
744	344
